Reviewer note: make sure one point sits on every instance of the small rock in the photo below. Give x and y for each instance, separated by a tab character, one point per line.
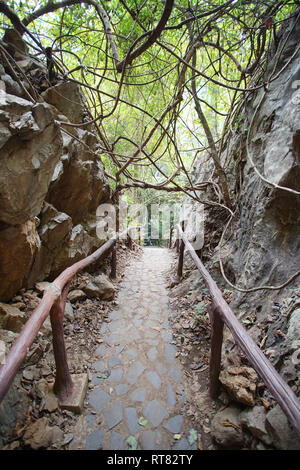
283	436
30	373
49	403
68	438
38	435
11	318
240	383
254	420
101	287
76	294
226	429
41	286
69	313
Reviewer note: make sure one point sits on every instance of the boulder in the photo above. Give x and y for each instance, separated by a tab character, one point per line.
76	294
11	318
80	188
293	333
16	45
240	383
254	420
68	98
283	435
69	313
38	435
18	247
27	159
100	286
226	429
41	286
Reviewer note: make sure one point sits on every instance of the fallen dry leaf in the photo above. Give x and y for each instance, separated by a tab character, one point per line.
200	445
228	423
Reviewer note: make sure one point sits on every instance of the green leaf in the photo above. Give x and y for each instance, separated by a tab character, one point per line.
192	436
132	443
143	421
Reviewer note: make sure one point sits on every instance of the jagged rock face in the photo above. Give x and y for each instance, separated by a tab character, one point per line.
51	181
268	243
264	243
18	246
28	158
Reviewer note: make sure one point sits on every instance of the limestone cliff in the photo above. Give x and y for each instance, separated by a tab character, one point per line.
261	246
51	180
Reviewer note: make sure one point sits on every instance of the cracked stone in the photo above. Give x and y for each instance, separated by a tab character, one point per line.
174	424
170	352
171	396
175	374
98	398
113	361
94	441
155	412
113	415
116	441
116	375
132	420
121	389
139	395
152	354
135	370
154	378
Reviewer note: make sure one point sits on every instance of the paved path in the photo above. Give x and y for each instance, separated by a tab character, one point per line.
139	382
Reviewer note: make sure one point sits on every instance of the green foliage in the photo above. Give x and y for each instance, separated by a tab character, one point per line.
129	106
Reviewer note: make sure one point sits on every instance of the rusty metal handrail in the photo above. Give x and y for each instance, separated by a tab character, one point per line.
53	302
220	313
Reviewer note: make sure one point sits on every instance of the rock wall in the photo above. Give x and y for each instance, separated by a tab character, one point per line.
51	181
261	247
263	240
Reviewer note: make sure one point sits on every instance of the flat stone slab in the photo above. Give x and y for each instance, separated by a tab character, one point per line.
161	368
148	440
175	374
101	350
139	395
155	412
116	441
113	361
135	370
174	424
152	354
170	352
99	366
121	389
115	374
113	415
131	420
154	379
98	398
94	441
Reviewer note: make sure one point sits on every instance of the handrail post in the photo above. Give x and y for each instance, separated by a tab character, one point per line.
113	272
63	385
217	327
129	240
171	234
181	253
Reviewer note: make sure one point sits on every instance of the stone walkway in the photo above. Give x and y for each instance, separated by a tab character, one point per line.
139	382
